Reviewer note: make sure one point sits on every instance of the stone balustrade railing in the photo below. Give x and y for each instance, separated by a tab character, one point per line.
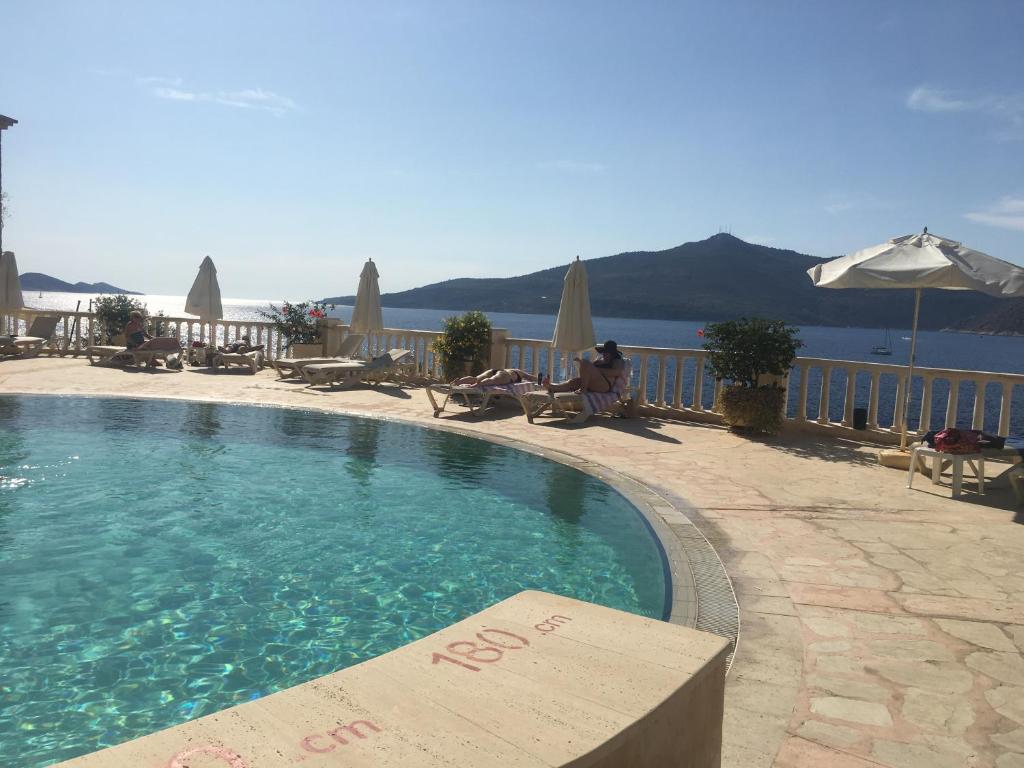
821	393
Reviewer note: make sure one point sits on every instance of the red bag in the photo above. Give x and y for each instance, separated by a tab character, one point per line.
952	440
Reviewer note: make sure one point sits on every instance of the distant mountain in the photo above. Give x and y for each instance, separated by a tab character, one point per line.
719	278
1006	318
37	281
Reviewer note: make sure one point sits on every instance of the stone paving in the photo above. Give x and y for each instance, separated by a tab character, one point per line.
879	625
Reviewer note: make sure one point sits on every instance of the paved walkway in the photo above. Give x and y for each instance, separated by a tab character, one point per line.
880	625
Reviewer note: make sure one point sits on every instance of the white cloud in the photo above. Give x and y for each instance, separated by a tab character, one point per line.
1008	213
1007	108
168	81
572	166
925	99
248	98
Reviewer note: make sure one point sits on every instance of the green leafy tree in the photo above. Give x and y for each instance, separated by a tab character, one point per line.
743	350
466	340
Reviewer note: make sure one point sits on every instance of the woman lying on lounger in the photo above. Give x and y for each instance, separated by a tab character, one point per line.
494	376
599	376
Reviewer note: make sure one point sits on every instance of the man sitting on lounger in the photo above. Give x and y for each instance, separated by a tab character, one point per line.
241	346
495	376
597	376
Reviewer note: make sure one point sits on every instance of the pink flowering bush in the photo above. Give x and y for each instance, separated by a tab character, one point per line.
298	323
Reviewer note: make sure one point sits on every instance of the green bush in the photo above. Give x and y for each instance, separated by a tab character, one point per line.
466	340
756	408
741	351
112	314
298	323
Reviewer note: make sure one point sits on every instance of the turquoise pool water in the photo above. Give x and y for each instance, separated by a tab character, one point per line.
160	561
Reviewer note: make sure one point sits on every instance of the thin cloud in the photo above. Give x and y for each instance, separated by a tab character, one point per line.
248	98
1007	108
167	81
1008	213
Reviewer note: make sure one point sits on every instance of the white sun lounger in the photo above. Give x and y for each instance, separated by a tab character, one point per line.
291	367
32	343
347	373
251	360
477	398
574	407
157	348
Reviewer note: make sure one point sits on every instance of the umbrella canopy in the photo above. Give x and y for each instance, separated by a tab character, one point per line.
921	261
918	262
204	298
366	315
574	329
10	286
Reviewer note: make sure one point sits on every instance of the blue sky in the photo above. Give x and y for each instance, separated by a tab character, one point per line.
291	141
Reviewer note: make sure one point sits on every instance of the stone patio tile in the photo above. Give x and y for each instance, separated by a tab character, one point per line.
977	633
1004	667
759	587
878	547
829	734
963	608
779	606
1017	633
826	627
920	650
797	752
882	624
864	687
1010	760
850	598
945	714
934	677
737	756
920	756
1008	701
1011	740
896	562
852	710
830	646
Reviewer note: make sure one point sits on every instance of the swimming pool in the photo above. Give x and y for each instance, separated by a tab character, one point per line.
162	560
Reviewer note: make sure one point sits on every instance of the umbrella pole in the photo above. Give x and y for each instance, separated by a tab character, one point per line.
910	370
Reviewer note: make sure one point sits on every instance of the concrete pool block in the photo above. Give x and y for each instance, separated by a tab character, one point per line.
535	680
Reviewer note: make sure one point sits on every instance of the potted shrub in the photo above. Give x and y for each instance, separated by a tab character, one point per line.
465	345
752	355
299	325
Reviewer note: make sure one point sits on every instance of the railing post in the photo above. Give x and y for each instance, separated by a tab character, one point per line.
851	383
826	381
698	385
897	414
952	406
642	394
1005	404
801	407
876	381
978	417
659	392
926	405
499	340
677	387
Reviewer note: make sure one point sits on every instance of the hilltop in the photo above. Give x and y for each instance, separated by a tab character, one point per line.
1006	318
37	281
718	278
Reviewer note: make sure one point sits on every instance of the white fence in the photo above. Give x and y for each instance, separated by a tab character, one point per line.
821	393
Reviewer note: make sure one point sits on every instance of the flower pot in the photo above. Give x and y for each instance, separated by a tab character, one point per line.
306	350
758	409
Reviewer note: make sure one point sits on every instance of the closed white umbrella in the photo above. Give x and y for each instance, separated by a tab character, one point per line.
204	298
574	329
11	299
366	315
918	262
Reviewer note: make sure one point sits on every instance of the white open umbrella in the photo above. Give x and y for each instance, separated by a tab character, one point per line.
11	299
920	261
574	329
204	298
366	315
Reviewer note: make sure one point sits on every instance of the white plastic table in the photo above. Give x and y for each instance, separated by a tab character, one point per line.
976	461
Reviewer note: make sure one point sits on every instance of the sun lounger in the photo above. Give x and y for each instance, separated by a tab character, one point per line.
477	398
252	360
159	348
347	373
291	367
39	334
574	407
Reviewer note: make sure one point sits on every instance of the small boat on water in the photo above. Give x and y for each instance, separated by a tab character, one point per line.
883	349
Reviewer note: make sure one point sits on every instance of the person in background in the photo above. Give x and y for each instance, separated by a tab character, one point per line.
494	376
135	331
597	376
